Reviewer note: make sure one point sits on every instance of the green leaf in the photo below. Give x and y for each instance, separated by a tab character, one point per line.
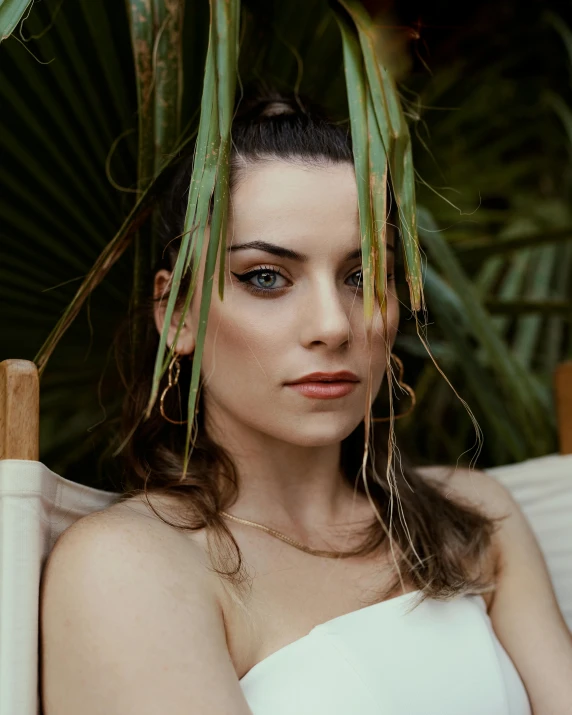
357	99
140	14
472	253
11	12
168	77
397	143
206	149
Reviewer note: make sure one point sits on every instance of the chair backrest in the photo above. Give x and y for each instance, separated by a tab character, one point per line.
37	505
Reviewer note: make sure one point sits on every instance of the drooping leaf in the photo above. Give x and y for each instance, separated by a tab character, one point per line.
11	12
357	100
397	143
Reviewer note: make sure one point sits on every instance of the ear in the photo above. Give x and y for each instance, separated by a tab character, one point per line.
186	339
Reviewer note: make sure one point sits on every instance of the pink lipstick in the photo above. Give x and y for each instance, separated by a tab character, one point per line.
324	390
325	385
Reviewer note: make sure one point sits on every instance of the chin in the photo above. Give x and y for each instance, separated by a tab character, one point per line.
329	431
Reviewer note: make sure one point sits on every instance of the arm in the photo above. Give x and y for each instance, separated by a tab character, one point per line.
524	613
129	627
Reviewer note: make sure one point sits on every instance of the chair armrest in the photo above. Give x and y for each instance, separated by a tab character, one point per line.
19	410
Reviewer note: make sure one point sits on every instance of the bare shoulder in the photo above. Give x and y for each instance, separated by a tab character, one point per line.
479	490
128	523
476	487
131	617
138	530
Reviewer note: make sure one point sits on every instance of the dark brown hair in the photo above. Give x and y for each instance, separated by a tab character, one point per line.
443	546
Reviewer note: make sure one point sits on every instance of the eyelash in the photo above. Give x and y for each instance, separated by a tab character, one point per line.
245	277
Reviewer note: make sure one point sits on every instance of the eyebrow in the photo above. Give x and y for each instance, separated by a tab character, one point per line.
283	252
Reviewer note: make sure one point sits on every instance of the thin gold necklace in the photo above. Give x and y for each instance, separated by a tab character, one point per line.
293	542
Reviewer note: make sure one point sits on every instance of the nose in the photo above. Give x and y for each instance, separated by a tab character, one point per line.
325	314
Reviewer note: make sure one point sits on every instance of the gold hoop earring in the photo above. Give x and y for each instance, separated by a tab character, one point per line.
173	380
406	387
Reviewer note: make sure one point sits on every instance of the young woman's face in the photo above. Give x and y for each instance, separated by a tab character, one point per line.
292	306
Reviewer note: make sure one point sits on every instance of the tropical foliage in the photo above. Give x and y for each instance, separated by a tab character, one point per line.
495	118
100	96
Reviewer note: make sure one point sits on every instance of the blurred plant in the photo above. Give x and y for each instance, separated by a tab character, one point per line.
492	138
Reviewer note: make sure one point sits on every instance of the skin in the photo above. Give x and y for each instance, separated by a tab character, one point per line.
287	446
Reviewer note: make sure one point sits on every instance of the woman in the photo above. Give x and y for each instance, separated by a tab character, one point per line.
269	580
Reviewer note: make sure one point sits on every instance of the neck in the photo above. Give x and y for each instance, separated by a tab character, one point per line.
296	489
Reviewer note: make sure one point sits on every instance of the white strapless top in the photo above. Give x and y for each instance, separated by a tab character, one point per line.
442	658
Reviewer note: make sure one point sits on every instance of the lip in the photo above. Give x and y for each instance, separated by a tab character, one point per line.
329	377
324	390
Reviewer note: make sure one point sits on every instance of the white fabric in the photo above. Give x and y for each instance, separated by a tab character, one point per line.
36	505
437	659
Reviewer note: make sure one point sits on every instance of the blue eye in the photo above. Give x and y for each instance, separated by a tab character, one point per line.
264	276
263	273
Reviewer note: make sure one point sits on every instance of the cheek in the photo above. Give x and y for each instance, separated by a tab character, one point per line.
241	345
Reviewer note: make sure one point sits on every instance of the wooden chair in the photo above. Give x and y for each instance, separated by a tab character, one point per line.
37	505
